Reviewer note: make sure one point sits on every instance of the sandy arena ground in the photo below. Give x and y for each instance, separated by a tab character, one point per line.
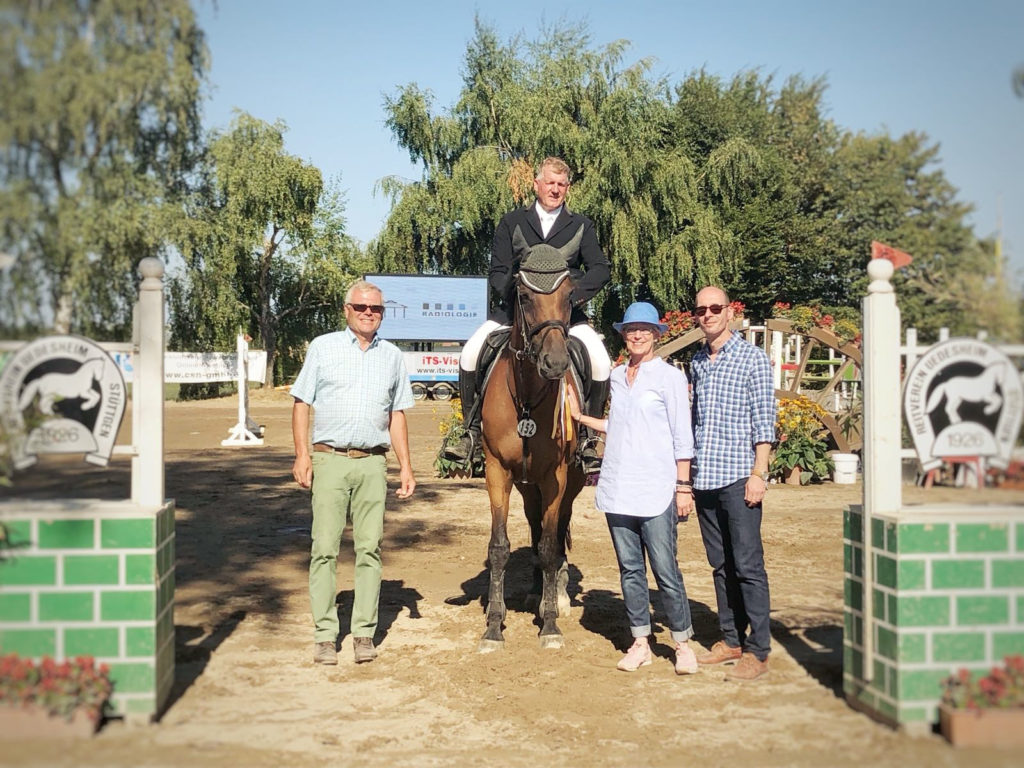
247	694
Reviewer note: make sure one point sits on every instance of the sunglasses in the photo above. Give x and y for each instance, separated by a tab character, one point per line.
377	309
714	309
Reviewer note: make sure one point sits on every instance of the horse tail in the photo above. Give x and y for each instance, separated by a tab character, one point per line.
28	394
935	398
999	370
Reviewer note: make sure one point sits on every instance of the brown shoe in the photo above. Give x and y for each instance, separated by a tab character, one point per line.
363	649
720	653
748	668
324	653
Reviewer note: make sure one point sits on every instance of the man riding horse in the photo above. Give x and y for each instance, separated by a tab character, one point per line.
547	221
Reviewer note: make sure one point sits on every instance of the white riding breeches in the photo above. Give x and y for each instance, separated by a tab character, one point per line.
600	363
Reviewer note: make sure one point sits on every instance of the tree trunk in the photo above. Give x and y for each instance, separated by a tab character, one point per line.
268	322
270	345
62	317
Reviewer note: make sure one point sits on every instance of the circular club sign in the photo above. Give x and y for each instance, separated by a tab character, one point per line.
963	398
61	394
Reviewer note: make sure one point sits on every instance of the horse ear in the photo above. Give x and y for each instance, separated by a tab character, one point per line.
520	247
570	248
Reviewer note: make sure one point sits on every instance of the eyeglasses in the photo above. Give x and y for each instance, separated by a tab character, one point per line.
644	330
714	309
377	309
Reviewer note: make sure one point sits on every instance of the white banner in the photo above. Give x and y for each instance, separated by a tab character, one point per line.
432	366
196	367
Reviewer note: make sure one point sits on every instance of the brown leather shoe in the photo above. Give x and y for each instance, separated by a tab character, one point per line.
748	668
720	653
324	653
363	649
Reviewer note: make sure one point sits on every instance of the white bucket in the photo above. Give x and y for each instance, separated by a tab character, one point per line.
846	468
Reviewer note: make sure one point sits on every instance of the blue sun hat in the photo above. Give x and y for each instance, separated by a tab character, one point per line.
641	312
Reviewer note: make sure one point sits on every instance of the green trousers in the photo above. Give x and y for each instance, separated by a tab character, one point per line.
344	489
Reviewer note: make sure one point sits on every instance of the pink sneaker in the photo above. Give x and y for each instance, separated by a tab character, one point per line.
686	660
638	655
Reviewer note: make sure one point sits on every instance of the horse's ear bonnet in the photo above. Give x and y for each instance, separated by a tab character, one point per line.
544	267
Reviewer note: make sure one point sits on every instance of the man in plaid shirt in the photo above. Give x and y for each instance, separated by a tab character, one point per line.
734	427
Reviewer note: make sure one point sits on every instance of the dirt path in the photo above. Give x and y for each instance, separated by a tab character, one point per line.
247	694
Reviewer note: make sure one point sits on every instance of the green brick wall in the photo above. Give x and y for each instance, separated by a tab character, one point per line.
98	582
948	593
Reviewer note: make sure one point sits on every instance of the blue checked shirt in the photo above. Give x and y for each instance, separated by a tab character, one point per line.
733	408
353	391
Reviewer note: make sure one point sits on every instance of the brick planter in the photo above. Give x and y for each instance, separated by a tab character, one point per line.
94	578
948	594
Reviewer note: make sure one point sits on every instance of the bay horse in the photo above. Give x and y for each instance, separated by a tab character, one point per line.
529	439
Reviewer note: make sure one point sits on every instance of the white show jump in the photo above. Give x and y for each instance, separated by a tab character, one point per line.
246	431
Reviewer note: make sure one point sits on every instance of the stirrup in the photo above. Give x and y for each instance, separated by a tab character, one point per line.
463	450
587	456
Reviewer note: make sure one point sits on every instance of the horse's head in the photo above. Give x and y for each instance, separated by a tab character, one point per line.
543	304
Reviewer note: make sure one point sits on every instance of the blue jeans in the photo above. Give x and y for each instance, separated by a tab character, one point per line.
631	537
732	538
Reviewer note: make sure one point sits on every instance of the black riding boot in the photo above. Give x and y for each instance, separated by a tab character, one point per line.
463	449
595	407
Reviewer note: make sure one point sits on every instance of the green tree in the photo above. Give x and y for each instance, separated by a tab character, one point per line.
265	249
736	182
99	128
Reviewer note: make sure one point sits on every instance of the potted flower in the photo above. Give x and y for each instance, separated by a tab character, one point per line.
985	712
801	455
452	428
52	698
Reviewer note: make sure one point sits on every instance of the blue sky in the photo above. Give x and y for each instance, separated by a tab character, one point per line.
941	67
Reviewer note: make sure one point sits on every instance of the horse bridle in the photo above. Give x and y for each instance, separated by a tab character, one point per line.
529	352
529	334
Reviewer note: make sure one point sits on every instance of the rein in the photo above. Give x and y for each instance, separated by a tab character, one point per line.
526	427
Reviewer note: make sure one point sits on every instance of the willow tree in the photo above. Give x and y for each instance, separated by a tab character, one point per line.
734	181
99	127
264	248
674	179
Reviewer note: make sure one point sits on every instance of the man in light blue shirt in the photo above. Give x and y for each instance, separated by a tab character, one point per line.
358	385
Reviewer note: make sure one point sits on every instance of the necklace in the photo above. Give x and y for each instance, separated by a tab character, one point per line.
631	372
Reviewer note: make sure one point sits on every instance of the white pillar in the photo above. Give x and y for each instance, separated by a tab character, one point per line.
882	414
777	359
148	387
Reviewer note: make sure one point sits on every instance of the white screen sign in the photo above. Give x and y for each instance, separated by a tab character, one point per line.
428	308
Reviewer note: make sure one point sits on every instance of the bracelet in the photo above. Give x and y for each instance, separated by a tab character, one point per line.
684	483
687	491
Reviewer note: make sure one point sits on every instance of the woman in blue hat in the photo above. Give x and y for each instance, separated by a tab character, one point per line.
645	487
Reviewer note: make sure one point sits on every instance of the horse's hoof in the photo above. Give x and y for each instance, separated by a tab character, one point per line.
487	646
552	641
